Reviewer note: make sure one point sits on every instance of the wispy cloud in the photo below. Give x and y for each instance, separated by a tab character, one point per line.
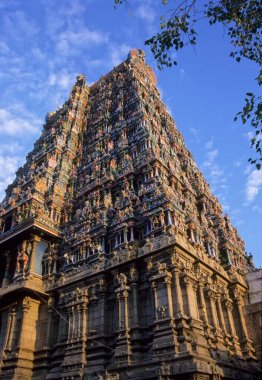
10	148
182	73
209	144
61	79
213	171
4	48
118	53
69	40
194	131
13	125
9	166
254	185
210	157
249	135
18	20
146	13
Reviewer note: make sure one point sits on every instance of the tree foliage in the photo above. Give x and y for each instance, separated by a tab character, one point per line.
242	20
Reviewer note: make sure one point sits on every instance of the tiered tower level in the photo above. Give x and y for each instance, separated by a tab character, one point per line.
116	259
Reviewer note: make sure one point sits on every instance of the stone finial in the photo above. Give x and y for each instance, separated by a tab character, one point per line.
136	53
81	78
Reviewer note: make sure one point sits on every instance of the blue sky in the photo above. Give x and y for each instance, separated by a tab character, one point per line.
44	44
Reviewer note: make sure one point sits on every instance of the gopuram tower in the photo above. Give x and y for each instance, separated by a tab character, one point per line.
116	261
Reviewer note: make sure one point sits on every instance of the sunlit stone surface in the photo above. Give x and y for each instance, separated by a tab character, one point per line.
116	259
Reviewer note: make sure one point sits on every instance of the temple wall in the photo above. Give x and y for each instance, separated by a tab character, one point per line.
253	310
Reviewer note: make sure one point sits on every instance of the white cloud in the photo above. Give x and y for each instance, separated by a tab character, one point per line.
118	54
61	79
193	131
10	148
210	157
182	73
4	49
225	207
248	169
249	135
9	166
146	13
254	185
237	164
70	39
256	208
169	110
18	21
13	125
210	144
37	53
214	173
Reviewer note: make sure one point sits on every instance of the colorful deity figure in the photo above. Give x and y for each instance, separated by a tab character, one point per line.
24	252
122	280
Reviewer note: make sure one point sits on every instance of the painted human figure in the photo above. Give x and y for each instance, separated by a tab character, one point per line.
68	258
122	280
23	257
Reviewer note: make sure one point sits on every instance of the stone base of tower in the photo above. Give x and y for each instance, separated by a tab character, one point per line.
74	360
186	369
165	342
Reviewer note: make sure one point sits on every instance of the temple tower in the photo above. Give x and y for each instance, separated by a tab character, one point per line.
116	259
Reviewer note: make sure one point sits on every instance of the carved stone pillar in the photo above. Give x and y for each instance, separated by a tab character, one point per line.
165	341
122	298
103	244
75	350
192	237
134	280
71	327
49	322
118	297
217	337
10	328
202	305
83	308
167	282
123	347
239	303
229	307
178	307
34	241
63	326
27	340
7	273
207	330
134	299
126	319
220	313
125	235
78	333
102	299
246	343
169	220
131	183
212	296
55	265
131	234
191	296
155	297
